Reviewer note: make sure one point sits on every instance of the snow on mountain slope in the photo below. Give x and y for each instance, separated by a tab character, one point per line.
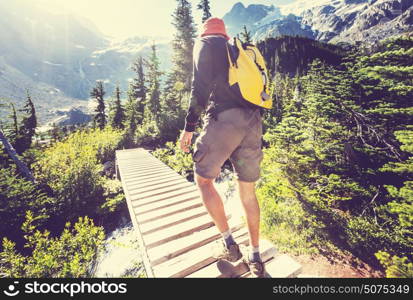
359	20
326	20
299	6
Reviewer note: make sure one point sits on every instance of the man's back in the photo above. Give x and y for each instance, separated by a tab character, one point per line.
210	80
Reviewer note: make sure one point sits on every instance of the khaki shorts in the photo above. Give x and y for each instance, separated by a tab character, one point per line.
236	134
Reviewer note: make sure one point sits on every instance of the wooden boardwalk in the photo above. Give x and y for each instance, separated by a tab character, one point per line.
174	229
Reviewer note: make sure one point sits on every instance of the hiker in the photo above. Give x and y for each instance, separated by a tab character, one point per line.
232	130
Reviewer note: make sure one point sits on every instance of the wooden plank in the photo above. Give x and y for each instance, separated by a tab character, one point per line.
192	261
176	218
159	187
146	173
166	195
129	171
150	191
177	247
153	178
139	160
138	178
164	207
157	183
152	215
176	231
149	204
143	169
143	162
137	170
169	203
239	268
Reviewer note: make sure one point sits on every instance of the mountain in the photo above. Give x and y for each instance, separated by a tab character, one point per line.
290	25
334	21
249	16
58	57
360	20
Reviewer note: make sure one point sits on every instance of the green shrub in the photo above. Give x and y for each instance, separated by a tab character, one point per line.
70	255
114	197
17	195
364	235
178	160
147	133
72	169
396	267
283	218
173	156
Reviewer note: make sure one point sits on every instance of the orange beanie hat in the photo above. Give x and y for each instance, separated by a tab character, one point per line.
215	26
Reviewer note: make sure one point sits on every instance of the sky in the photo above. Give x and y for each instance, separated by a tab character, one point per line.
124	18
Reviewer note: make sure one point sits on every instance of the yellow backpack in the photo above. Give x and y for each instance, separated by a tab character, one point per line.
248	75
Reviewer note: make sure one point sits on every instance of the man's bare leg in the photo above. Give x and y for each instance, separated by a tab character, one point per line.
252	212
213	202
251	209
215	207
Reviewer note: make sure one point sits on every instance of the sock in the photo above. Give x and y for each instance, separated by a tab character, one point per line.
228	239
254	254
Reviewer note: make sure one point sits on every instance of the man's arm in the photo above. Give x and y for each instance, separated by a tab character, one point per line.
202	84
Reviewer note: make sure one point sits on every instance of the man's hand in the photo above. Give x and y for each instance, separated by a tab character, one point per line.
185	140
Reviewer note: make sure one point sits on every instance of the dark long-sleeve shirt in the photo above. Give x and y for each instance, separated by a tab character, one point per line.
210	81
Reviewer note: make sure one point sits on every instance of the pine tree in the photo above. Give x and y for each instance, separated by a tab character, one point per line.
131	117
206	9
24	170
153	102
13	129
287	54
28	126
98	93
183	43
172	108
246	36
118	112
138	87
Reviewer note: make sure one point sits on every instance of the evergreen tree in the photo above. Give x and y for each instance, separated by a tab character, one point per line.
28	126
98	93
24	170
206	9
138	88
131	118
246	36
173	108
287	55
118	112
341	140
183	43
13	130
154	92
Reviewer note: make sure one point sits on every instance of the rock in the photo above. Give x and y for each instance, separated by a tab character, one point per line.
108	169
249	16
340	21
359	20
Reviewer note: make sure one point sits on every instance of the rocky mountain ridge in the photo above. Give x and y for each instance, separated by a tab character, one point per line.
334	21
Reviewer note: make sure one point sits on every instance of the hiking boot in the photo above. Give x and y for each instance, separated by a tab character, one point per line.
221	251
257	268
